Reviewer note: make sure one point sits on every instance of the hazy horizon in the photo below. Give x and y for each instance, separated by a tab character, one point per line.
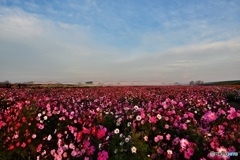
145	41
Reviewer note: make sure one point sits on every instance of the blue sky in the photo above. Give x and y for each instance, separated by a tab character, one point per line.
157	40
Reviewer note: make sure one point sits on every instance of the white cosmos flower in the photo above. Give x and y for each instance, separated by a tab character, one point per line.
159	116
39	114
49	137
45	118
116	131
134	149
118	123
127	139
145	138
169	151
136	107
138	118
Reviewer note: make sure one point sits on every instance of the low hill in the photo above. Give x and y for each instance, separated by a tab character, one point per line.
234	82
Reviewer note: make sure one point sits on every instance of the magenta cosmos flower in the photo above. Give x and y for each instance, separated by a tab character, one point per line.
101	133
210	116
102	155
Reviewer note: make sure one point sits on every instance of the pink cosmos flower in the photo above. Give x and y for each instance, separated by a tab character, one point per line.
90	150
11	147
185	115
39	148
72	146
34	136
57	157
168	137
190	151
180	104
142	114
159	150
175	124
2	124
103	155
164	104
40	126
65	155
153	120
210	116
191	115
86	130
73	153
157	138
72	129
17	144
231	149
184	126
214	144
60	151
101	133
53	152
86	144
23	145
223	149
232	113
184	143
186	155
59	135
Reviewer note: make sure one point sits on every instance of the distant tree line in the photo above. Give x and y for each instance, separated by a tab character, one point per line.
196	83
5	84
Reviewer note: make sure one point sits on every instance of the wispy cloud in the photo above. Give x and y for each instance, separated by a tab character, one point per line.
111	41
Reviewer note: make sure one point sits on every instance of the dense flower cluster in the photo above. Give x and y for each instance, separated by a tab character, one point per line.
117	123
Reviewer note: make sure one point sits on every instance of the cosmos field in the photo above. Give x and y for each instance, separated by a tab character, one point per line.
118	123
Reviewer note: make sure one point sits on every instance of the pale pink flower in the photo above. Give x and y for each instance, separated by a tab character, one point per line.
184	143
166	126
34	136
168	137
184	126
145	138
